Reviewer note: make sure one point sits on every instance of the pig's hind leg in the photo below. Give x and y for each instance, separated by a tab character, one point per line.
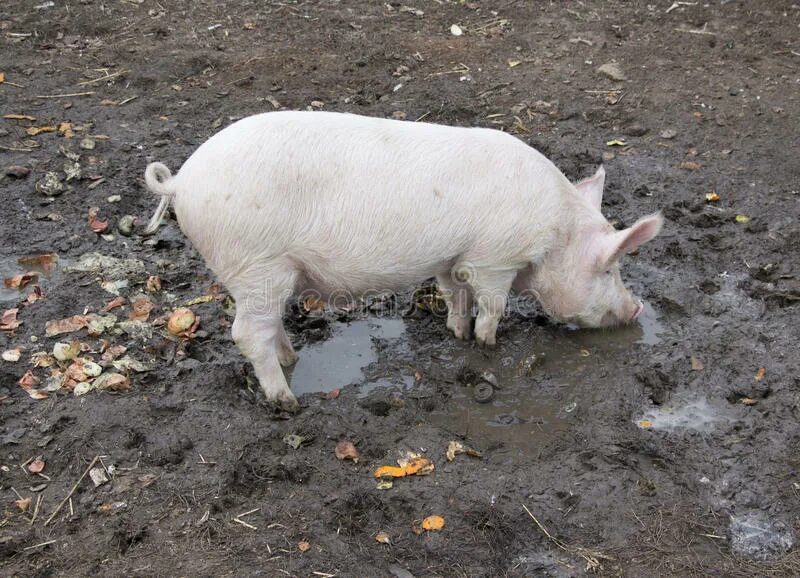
258	332
490	288
458	297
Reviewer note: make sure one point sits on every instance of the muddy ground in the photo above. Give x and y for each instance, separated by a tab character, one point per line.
658	450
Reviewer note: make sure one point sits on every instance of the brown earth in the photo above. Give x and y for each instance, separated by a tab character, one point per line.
706	101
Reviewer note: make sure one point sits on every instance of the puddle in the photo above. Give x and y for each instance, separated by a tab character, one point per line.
524	411
696	415
340	359
9	268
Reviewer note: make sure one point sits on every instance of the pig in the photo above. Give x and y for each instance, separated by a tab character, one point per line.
285	203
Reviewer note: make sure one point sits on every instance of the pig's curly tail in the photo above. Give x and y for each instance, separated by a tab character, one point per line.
158	179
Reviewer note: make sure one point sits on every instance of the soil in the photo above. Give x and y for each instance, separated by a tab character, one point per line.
660	450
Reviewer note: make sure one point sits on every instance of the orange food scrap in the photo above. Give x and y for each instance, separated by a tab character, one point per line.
433	523
762	371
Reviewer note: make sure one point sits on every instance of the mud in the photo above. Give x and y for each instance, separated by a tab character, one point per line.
632	456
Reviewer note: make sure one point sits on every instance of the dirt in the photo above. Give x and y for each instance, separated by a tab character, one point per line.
658	450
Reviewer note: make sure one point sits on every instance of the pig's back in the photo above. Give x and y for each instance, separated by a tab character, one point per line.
353	197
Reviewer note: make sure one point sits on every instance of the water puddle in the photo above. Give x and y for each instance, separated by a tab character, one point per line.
9	267
341	359
527	408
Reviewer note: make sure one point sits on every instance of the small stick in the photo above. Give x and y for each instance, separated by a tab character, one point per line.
13	489
36	509
127	100
72	491
70	95
40	545
13	84
106	77
245	524
16	149
71	511
248	512
706	32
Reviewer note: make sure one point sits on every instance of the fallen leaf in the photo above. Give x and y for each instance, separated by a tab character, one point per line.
113	304
512	62
747	401
383	538
23	504
112	382
385	484
697	365
34	295
762	371
19	117
20	281
11	355
37	394
389	471
66	351
313	304
712	197
180	321
68	325
345	450
454	448
34	130
141	309
645	423
112	353
433	523
303	546
198	300
36	466
153	283
43	262
42	359
65	128
28	380
689	166
742	219
8	321
95	224
334	393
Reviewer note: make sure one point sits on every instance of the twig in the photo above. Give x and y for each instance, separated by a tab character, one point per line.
13	489
70	95
40	545
688	31
106	77
713	536
13	84
127	100
36	509
72	491
16	149
592	558
245	524
248	512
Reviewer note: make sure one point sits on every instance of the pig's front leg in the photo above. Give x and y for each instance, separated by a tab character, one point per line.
490	288
458	297
258	338
286	353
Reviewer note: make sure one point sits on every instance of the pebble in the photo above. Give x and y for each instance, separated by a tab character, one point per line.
636	130
613	71
668	133
125	225
17	171
483	392
50	185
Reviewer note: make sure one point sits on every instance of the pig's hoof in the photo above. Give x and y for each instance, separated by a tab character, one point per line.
289	405
460	326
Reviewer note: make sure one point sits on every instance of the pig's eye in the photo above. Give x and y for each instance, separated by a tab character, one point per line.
608	272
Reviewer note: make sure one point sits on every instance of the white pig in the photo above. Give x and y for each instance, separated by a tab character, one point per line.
285	202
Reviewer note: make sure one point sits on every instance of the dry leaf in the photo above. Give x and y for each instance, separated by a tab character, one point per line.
65	128
334	393
433	523
141	309
313	304
36	466
153	283
37	394
747	401
454	448
712	197
645	423
34	295
382	537
181	321
28	380
23	504
114	303
345	450
303	546
762	371
68	325
95	224
8	321
112	353
742	219
689	166
19	117
697	365
20	281
34	130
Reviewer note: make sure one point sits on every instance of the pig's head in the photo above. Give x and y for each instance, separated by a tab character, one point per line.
579	280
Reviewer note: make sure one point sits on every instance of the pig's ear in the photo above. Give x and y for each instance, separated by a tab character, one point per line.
628	240
592	188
